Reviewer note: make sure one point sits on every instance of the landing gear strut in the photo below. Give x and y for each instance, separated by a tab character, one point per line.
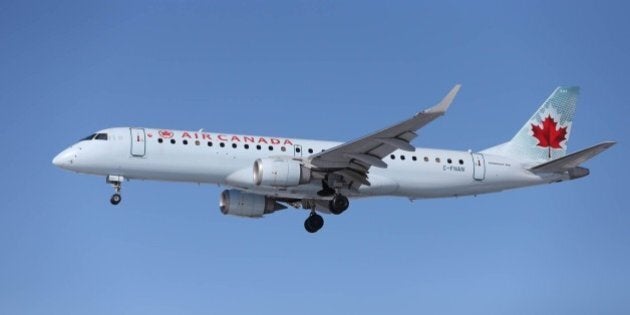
116	182
326	190
314	222
339	203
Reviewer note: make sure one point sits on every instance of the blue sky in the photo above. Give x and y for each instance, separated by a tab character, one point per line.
310	69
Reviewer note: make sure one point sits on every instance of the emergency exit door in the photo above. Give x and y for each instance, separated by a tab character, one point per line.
138	142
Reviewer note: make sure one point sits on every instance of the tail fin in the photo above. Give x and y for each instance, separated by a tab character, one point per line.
545	135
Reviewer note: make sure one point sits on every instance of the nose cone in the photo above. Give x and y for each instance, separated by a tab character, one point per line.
65	158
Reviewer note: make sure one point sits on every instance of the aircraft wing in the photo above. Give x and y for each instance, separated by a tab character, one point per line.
352	159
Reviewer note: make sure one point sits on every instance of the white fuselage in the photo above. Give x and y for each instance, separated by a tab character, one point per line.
226	159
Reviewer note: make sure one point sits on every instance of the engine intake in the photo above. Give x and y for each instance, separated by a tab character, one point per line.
242	204
280	172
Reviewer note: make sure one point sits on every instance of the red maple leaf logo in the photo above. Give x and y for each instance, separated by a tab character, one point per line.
166	134
549	135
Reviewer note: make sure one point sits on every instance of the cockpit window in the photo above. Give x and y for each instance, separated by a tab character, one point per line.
95	136
90	137
101	136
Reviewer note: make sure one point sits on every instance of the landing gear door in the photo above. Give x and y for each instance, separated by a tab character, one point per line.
297	150
138	142
479	166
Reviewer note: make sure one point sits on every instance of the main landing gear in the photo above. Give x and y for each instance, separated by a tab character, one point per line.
314	222
337	205
116	182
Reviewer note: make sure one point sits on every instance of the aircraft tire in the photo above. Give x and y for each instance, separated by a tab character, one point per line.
116	198
313	223
338	204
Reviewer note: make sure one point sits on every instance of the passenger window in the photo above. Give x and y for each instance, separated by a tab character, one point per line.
160	140
222	144
196	142
270	148
426	159
414	158
449	161
461	162
437	160
185	142
402	157
310	150
101	136
393	157
258	147
283	149
209	143
246	146
297	150
234	145
172	141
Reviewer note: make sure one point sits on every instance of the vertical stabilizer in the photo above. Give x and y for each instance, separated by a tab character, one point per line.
545	135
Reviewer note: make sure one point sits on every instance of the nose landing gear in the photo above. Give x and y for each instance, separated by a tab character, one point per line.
115	199
116	182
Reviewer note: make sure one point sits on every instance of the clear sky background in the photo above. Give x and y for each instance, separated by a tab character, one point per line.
310	69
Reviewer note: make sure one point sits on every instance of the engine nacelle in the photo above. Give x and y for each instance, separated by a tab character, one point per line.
280	172
242	204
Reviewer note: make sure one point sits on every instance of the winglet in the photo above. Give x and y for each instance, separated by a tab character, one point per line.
443	105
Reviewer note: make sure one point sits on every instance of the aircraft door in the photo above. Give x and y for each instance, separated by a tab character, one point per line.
479	166
138	142
297	150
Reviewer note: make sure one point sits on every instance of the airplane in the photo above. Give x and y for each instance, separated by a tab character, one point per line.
266	174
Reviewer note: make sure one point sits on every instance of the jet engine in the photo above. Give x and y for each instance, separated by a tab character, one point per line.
278	172
242	204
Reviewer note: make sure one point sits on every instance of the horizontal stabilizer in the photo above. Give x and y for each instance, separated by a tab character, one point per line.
573	160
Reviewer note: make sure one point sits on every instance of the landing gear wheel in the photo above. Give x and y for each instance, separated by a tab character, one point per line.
116	182
313	223
116	198
338	204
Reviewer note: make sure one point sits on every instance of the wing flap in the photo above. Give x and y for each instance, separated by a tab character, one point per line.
367	159
397	143
354	176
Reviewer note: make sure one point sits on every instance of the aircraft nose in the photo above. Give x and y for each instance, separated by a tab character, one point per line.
64	159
